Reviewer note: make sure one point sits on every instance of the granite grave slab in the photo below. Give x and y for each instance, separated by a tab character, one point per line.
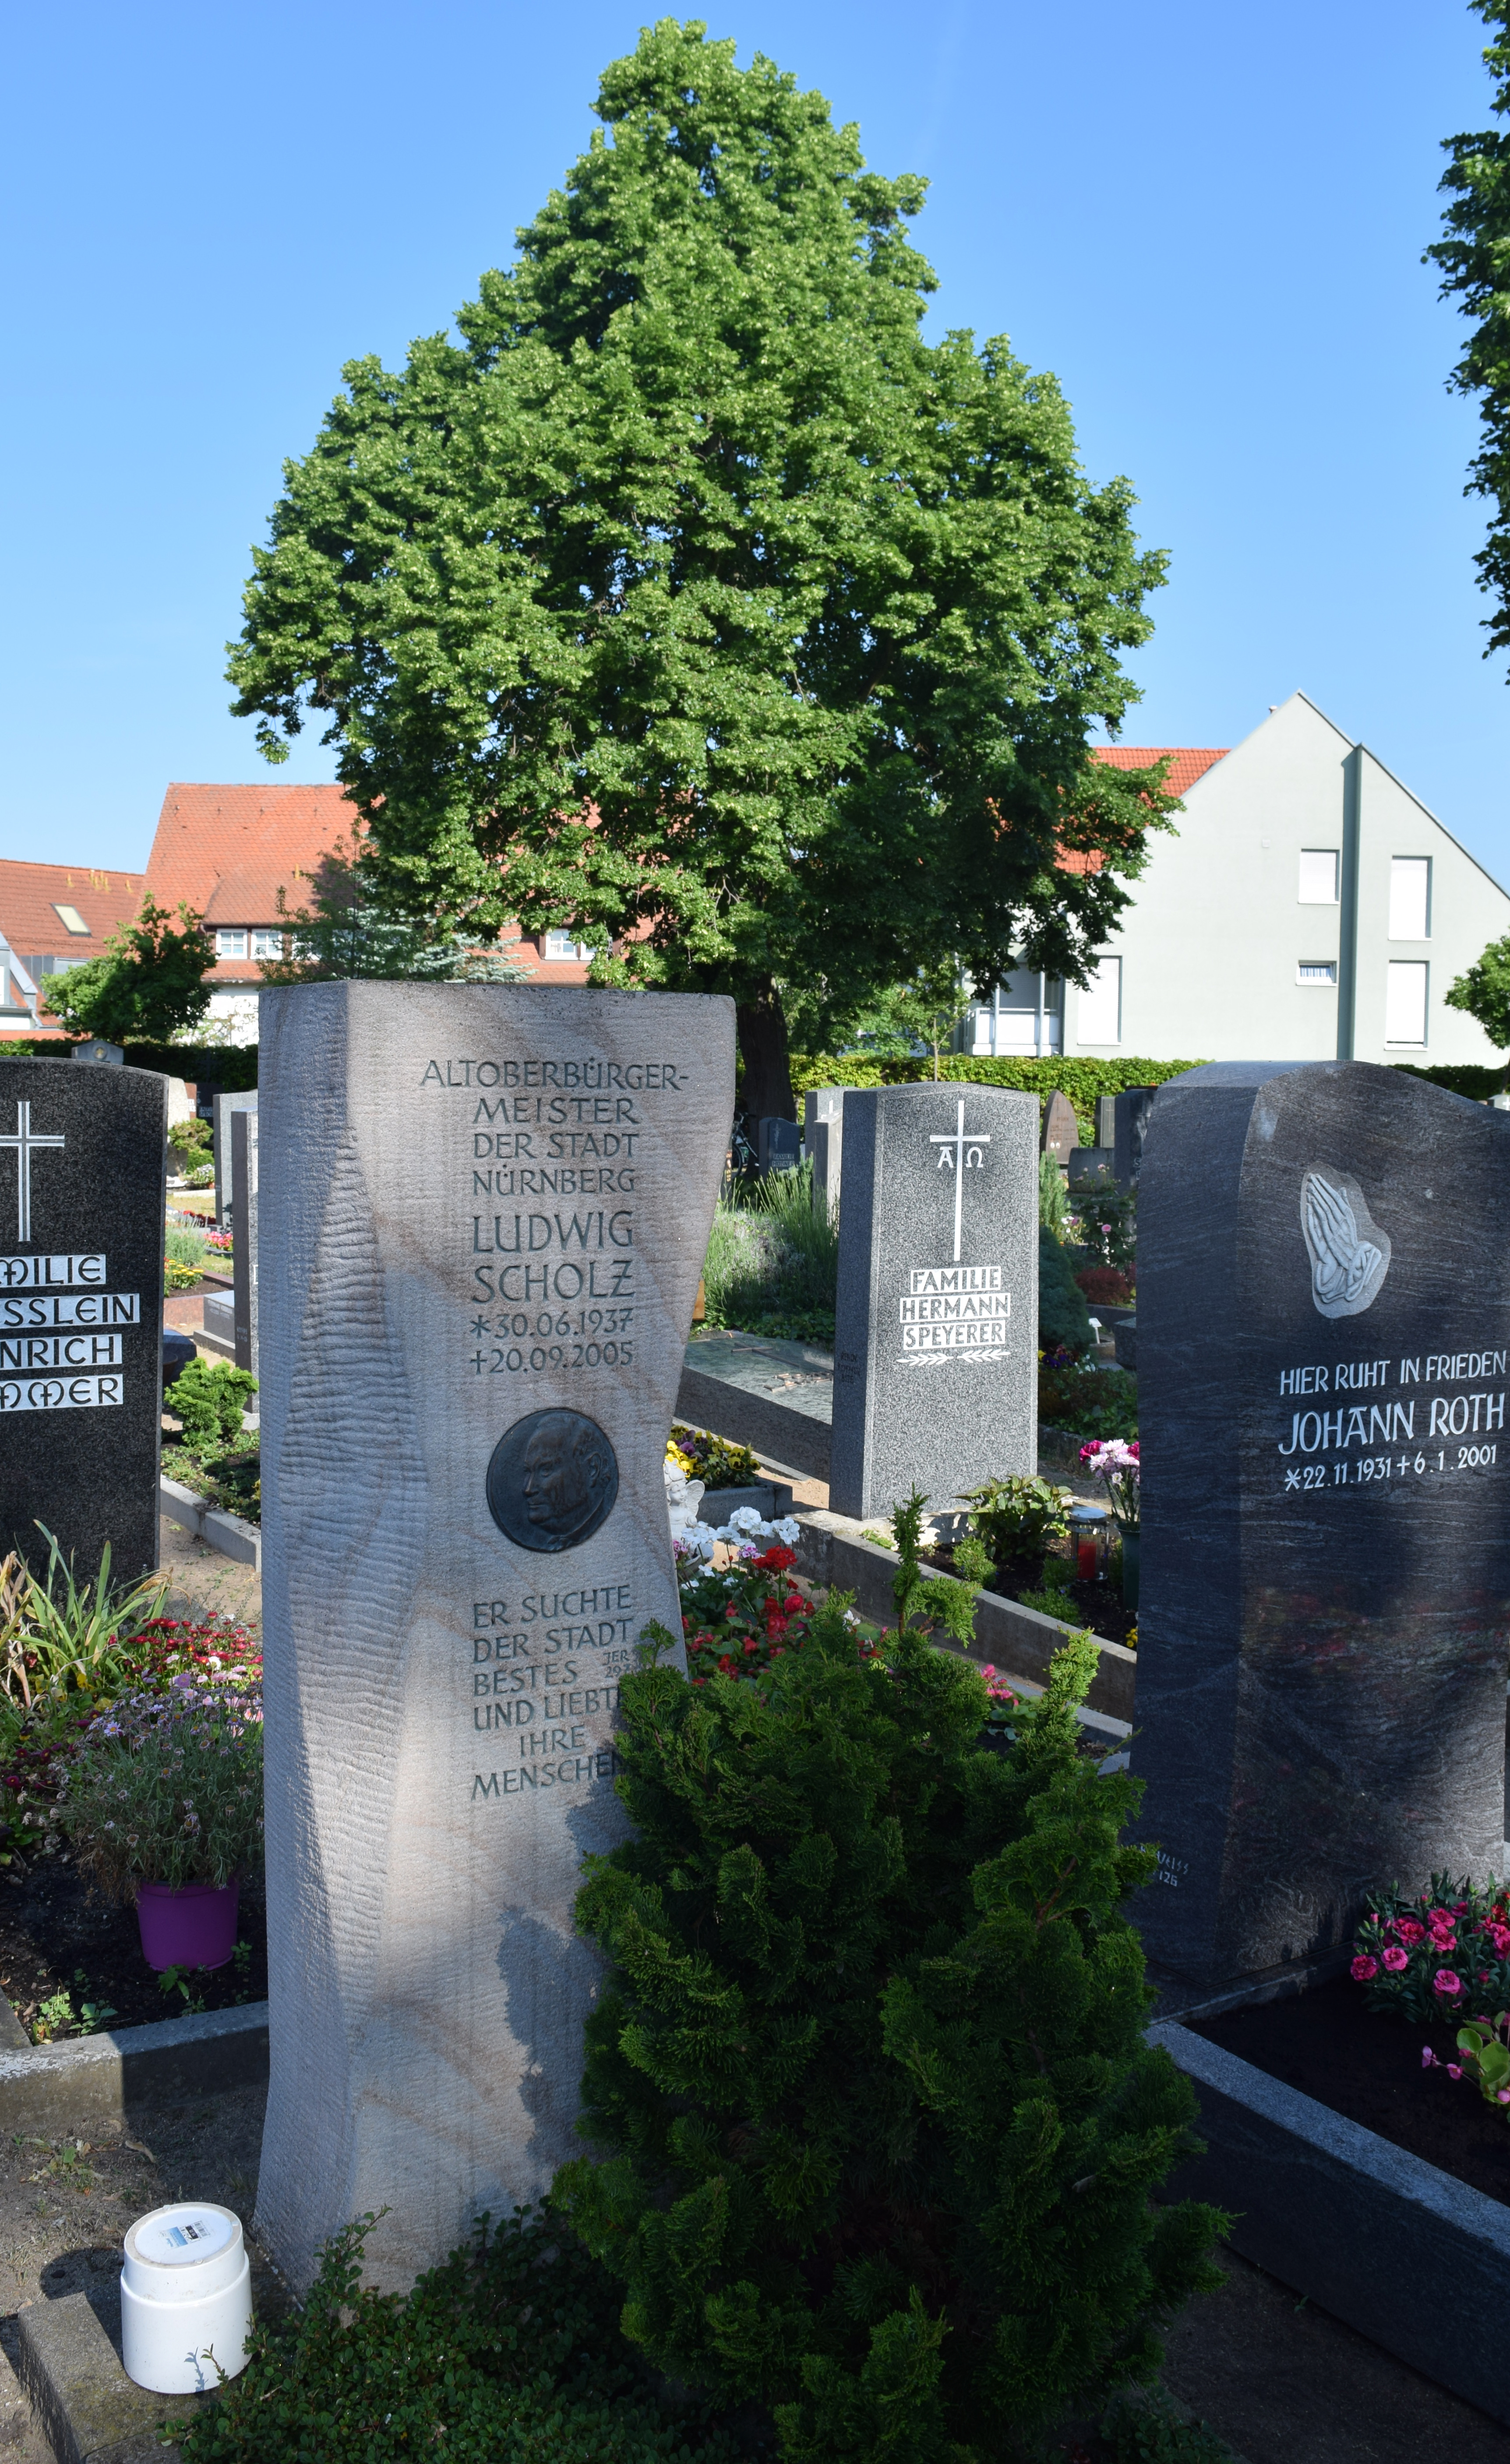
243	1256
83	1187
779	1144
1323	1356
1132	1112
936	1353
823	1138
484	1224
223	1110
1062	1130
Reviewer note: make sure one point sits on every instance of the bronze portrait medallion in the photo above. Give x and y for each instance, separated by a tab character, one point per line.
552	1480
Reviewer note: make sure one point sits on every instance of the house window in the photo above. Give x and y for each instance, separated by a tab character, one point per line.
72	921
1318	877
267	944
561	945
1409	897
1405	1002
231	944
1316	971
1101	1011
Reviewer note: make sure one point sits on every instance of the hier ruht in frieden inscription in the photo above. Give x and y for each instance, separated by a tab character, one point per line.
1324	1336
82	1175
480	1226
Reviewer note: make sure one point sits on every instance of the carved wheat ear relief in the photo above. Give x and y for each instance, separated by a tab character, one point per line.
1349	1255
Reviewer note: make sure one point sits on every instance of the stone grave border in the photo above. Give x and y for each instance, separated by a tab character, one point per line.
1018	1641
1410	2257
96	2082
211	1524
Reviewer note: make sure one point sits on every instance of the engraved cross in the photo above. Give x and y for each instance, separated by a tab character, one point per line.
24	1140
961	1150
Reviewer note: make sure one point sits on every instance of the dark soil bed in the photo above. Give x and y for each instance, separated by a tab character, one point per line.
54	1929
1098	1605
1368	2066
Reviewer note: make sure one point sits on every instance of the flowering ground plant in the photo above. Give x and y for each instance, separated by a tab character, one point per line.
1442	1955
1115	1461
167	1787
737	1621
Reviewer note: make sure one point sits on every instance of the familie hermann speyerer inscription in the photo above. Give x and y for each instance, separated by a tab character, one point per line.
1323	1346
483	1214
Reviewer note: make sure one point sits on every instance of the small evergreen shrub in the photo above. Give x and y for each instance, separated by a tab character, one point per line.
877	2126
1088	1402
509	2350
208	1401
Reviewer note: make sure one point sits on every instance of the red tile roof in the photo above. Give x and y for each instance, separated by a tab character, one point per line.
227	851
31	893
1188	762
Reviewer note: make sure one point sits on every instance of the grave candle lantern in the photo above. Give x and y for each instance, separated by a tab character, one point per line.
1087	1543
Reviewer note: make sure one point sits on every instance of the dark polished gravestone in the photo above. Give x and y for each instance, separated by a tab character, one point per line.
1323	1344
83	1161
936	1350
1132	1111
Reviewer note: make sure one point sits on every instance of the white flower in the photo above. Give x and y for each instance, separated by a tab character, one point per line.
746	1519
788	1531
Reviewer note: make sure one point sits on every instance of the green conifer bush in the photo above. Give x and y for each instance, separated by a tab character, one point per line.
877	2128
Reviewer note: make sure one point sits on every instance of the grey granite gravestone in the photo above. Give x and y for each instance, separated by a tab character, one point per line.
1323	1346
484	1226
823	1136
1106	1121
96	1049
1133	1110
243	1255
224	1108
779	1144
83	1163
1061	1132
936	1350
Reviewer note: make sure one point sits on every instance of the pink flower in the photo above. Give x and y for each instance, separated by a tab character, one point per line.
1455	2070
1395	1960
1427	2058
1363	1968
1406	1929
1503	2096
1445	1983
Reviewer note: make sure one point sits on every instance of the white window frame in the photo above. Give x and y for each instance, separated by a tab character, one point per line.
1101	998
1318	975
1411	874
1398	969
267	942
561	950
1308	895
230	941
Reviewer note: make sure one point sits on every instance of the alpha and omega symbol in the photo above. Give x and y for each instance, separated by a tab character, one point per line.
960	1152
552	1480
25	1140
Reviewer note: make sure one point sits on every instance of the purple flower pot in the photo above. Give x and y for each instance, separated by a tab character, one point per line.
194	1927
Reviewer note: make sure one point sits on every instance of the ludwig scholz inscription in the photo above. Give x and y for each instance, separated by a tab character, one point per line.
552	1480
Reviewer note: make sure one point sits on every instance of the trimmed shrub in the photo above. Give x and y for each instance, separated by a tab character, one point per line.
1081	1081
878	2128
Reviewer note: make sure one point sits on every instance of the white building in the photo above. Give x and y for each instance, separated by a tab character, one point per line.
1310	909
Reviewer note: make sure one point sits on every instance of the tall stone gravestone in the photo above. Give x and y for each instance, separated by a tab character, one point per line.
1062	1130
83	1161
823	1136
223	1108
936	1351
243	1255
484	1226
1323	1345
1132	1112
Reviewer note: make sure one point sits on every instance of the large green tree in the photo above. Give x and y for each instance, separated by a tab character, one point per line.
147	985
690	597
1475	260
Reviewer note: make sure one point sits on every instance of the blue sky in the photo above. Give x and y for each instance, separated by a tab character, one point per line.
1207	222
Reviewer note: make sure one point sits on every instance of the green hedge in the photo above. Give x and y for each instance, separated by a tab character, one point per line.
1083	1081
1459	1078
232	1067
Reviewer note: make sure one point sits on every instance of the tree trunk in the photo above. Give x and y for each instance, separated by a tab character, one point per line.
763	1048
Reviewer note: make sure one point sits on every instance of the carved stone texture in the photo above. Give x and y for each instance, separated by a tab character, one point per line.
1324	1350
1061	1132
83	1162
936	1354
482	1208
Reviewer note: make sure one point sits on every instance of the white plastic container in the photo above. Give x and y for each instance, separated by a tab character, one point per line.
186	2298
